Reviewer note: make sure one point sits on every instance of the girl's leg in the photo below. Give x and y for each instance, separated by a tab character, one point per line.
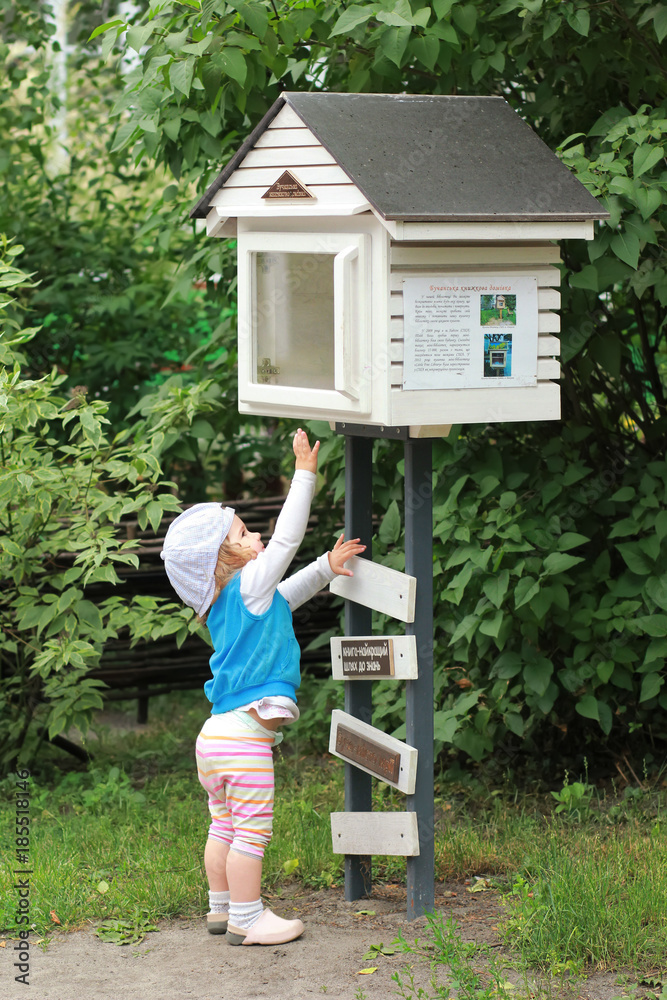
244	876
215	863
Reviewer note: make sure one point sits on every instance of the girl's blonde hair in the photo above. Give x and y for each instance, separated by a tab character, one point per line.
231	559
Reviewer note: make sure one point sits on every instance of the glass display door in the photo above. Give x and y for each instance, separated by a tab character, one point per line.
304	331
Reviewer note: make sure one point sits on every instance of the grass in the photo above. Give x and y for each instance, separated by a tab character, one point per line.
119	845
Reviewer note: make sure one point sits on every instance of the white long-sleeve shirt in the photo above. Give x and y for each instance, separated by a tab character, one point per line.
261	577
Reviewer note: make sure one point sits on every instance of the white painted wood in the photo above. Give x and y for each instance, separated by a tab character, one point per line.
548	346
474	406
505	231
548	322
287	137
378	587
405	656
336	199
548	298
287	118
265	176
220	226
408	755
548	368
393	833
296	156
467	255
545	276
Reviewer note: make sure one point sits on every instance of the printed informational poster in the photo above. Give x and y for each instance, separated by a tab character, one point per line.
469	331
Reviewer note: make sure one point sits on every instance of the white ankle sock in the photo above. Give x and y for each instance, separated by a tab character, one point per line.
218	901
244	915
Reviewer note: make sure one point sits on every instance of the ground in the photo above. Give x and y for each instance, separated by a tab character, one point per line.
182	961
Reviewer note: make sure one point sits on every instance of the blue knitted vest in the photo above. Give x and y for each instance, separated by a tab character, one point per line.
255	656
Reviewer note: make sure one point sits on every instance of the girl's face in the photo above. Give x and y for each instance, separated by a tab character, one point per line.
239	535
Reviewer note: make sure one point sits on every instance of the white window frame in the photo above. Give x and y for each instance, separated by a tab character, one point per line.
352	348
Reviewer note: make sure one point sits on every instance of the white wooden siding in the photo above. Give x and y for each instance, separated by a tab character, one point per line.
288	145
524	259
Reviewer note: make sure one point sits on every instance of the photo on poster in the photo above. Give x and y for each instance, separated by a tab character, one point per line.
497	310
497	355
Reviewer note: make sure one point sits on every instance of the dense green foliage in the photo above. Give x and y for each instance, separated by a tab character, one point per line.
550	552
65	484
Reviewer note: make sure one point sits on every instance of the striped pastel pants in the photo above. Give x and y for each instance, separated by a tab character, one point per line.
235	766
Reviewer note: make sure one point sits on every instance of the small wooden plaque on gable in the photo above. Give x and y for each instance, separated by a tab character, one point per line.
287	186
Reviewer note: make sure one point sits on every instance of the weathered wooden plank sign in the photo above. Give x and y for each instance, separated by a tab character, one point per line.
378	587
394	833
366	657
373	751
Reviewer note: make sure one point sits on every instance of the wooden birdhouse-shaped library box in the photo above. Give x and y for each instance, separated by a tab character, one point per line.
397	260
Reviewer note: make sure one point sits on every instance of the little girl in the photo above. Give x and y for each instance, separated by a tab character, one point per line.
233	582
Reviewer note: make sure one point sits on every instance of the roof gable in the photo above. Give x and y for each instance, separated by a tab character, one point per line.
434	158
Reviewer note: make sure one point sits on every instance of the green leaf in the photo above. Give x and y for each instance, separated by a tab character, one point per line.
139	34
491	626
154	512
355	15
234	64
626	246
559	562
654	625
465	18
635	559
645	157
588	707
393	44
445	725
570	540
255	16
580	20
390	527
649	200
525	590
180	75
495	588
538	675
660	22
651	685
105	27
427	50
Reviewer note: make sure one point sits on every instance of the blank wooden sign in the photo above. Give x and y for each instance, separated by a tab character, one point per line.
373	751
378	587
365	657
394	833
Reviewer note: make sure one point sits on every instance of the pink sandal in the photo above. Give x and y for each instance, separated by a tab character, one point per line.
269	929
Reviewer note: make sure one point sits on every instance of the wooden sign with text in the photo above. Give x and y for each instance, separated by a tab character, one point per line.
371	657
373	751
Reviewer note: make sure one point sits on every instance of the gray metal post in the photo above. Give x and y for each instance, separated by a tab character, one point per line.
358	621
419	693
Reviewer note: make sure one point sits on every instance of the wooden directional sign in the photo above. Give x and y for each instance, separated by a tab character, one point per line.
394	833
367	657
373	751
378	587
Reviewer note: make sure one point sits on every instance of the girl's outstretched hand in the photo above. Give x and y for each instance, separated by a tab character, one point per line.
342	551
306	457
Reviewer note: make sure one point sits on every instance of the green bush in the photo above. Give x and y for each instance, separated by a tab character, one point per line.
65	485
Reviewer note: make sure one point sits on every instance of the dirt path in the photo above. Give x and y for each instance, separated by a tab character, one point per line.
182	961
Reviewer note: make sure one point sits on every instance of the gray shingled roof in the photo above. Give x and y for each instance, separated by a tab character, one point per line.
419	158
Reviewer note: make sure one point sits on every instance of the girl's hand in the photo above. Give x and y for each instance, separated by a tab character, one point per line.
342	551
306	457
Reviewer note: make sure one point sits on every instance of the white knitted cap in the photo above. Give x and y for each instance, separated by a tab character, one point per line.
190	552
